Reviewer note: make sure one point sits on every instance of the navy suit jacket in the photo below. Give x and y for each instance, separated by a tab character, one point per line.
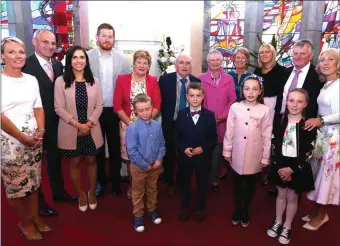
167	85
203	134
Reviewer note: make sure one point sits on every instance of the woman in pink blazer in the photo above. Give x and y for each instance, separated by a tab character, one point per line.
219	96
79	103
247	144
127	87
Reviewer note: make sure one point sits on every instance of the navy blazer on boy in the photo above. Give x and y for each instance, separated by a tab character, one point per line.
203	134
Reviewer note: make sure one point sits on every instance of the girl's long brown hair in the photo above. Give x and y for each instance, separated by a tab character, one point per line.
303	113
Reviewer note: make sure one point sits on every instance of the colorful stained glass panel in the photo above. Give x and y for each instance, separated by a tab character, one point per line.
281	27
227	29
4	20
330	37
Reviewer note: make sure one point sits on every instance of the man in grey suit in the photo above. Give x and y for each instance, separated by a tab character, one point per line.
106	63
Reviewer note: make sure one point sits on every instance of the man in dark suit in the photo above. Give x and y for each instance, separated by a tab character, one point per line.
301	75
196	137
46	70
173	99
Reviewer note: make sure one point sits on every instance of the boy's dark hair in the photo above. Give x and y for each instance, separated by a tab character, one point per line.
105	26
258	79
141	98
195	86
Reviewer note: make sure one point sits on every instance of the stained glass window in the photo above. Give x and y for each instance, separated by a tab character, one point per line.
4	20
56	16
330	37
227	29
281	27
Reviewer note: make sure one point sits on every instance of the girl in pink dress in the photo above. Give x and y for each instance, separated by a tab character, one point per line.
246	144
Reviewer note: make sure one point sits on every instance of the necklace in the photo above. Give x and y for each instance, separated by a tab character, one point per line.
139	80
4	73
329	83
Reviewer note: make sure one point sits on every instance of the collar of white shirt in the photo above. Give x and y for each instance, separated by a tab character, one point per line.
305	69
194	110
101	56
179	77
41	60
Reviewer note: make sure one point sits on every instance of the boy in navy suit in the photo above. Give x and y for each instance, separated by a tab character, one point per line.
196	137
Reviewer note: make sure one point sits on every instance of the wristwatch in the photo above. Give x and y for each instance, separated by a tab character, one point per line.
322	121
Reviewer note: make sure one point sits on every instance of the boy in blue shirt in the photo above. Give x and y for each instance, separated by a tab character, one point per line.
146	148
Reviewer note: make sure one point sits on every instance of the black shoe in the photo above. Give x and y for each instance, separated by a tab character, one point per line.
245	220
184	215
223	176
65	198
46	211
100	190
236	218
214	188
200	216
116	192
275	229
285	235
273	192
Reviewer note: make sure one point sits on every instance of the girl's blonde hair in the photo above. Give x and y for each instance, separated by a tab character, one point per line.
272	50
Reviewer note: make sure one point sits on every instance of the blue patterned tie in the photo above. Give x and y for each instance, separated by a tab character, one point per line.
182	98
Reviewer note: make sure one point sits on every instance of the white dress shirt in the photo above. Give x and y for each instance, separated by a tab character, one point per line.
301	80
42	62
196	116
106	78
179	87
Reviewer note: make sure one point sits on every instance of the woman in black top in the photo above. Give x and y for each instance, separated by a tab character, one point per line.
272	74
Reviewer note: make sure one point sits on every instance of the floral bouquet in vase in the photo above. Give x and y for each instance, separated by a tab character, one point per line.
167	56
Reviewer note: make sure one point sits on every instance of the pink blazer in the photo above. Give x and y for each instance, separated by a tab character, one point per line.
121	98
248	137
218	98
65	107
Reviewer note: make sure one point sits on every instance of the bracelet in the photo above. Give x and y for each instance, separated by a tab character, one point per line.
40	130
321	121
73	123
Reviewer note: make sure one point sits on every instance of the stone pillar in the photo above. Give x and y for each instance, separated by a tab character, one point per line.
206	34
84	24
253	28
311	24
20	22
76	23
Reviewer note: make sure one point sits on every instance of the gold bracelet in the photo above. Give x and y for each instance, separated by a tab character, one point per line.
40	130
74	123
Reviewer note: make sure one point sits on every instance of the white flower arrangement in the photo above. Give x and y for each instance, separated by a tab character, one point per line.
167	56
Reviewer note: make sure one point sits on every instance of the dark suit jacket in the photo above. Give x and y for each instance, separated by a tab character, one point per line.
46	87
167	85
203	134
312	85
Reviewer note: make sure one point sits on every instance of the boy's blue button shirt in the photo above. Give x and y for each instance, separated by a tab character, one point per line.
145	143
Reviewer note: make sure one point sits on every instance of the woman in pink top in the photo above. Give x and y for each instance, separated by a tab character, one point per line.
247	143
219	96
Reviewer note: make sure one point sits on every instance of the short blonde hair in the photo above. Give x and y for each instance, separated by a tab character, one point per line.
11	39
272	50
142	54
334	53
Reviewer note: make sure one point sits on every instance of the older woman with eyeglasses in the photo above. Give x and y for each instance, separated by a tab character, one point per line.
128	86
241	59
22	132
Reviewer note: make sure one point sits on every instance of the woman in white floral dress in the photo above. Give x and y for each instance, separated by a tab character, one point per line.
22	130
127	87
326	158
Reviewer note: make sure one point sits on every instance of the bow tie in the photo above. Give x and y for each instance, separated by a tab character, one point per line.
195	112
